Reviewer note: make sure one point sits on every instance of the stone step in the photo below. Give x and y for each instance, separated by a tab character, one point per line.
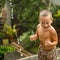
35	57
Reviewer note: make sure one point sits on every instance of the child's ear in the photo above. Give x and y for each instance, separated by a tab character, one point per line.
51	20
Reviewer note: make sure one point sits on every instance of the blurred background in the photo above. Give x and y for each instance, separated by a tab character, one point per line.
18	20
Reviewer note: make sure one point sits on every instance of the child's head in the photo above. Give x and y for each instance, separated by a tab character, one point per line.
45	18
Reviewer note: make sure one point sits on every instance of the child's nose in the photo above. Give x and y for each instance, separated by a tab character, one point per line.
45	25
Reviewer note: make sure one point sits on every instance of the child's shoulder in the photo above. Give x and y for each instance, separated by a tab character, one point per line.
52	30
38	25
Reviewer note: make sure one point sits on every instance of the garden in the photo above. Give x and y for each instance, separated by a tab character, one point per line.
19	22
26	13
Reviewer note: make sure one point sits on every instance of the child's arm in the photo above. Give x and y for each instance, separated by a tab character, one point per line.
54	38
35	36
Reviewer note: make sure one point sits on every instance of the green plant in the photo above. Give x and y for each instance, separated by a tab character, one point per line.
57	19
4	50
26	13
2	34
27	43
56	16
8	30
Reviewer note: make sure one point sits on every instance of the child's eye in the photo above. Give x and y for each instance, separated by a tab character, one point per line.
42	23
47	22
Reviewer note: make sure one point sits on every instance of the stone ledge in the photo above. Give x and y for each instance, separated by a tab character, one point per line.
35	57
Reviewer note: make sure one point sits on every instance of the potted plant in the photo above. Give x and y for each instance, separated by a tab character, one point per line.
10	32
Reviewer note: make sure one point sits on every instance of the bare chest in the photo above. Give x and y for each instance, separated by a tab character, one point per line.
44	34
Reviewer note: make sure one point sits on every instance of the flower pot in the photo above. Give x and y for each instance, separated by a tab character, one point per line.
5	41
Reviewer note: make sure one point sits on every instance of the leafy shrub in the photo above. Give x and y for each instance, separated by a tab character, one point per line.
5	49
25	41
2	34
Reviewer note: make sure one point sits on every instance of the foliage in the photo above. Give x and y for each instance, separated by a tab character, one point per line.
9	30
34	49
56	15
2	34
27	12
25	41
5	49
2	3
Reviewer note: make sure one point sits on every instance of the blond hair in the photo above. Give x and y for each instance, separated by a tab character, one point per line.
45	13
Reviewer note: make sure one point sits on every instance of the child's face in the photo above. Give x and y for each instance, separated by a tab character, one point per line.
45	21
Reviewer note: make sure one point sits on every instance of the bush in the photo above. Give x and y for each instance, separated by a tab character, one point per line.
25	41
27	13
5	49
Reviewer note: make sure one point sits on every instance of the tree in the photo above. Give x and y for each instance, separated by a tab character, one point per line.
27	12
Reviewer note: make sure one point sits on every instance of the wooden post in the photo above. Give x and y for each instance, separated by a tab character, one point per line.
8	10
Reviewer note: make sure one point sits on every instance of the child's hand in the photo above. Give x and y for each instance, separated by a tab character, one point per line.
32	37
48	42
